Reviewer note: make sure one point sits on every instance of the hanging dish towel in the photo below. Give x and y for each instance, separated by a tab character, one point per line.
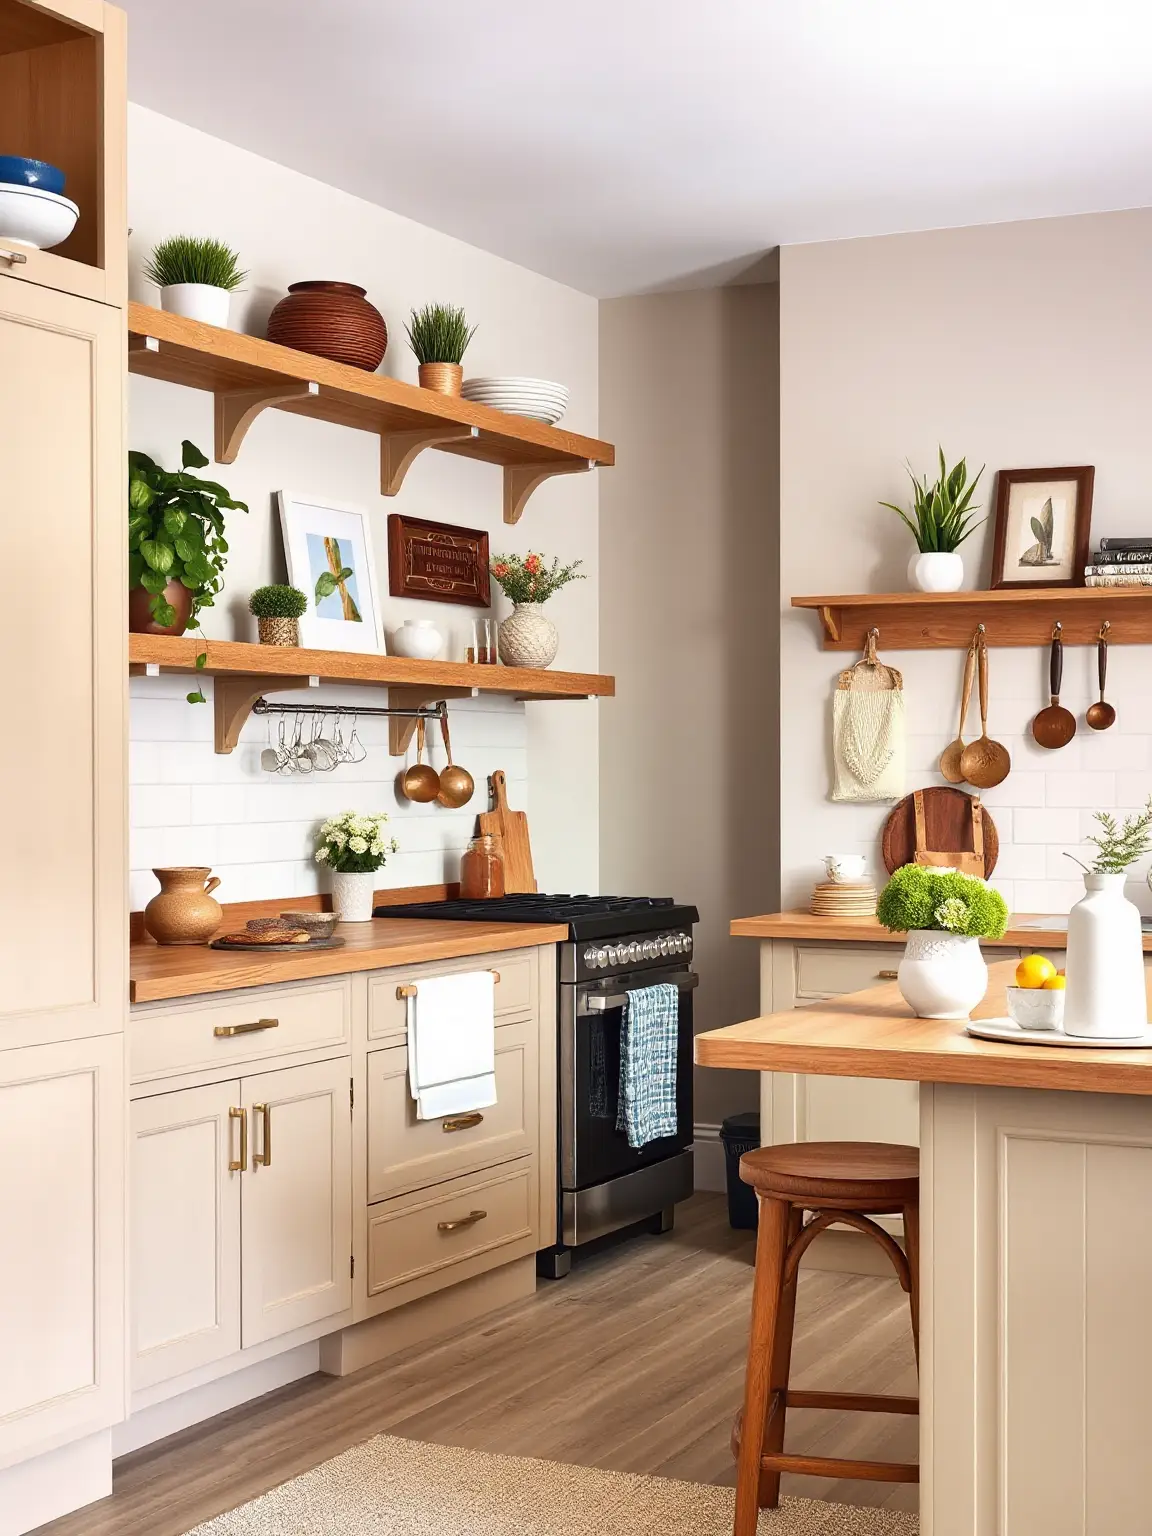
452	1044
649	1036
868	731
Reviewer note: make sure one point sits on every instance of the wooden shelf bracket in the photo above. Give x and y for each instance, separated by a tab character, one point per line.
234	694
237	409
520	480
417	696
398	449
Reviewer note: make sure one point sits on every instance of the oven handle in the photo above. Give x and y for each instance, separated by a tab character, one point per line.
602	1002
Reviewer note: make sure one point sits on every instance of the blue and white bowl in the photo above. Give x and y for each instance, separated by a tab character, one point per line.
36	218
18	170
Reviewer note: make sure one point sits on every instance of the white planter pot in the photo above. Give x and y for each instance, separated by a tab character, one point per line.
197	301
352	895
942	975
418	638
527	638
935	572
1105	993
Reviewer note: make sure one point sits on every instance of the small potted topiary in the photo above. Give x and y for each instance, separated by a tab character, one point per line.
439	335
196	277
945	915
278	611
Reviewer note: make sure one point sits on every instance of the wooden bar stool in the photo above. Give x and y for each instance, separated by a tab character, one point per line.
836	1181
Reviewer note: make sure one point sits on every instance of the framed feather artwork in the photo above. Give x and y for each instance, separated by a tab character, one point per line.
1043	527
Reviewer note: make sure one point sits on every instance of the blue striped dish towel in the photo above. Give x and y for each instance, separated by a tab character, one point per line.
649	1033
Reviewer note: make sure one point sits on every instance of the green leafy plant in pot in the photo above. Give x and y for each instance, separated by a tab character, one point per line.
278	611
196	277
439	335
945	915
942	518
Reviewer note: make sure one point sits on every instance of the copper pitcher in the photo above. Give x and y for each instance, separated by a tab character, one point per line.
183	912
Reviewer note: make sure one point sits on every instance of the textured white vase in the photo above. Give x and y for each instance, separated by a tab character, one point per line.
197	301
528	638
352	895
936	572
418	638
942	975
1105	993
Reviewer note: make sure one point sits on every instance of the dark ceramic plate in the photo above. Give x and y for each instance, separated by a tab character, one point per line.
280	949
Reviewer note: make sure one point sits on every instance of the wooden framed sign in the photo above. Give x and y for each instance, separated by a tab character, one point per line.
437	561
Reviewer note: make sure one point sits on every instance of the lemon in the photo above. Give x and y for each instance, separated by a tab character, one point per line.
1034	971
1055	983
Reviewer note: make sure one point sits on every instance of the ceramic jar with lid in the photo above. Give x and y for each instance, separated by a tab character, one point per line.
482	870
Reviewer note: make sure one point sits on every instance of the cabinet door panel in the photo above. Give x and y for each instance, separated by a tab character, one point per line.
296	1209
185	1232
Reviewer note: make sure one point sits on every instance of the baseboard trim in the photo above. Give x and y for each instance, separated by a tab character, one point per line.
848	1253
32	1493
709	1160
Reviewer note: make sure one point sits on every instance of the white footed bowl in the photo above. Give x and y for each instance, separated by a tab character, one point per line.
34	217
1036	1007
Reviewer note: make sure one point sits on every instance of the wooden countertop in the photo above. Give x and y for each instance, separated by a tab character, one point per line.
160	972
874	1034
866	930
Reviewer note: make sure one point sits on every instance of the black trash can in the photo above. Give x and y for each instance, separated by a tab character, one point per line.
740	1134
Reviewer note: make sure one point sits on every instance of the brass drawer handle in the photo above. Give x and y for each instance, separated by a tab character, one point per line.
461	1221
265	1113
411	989
14	258
886	975
226	1031
240	1165
462	1122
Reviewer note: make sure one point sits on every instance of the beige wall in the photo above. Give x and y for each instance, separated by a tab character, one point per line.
1016	345
688	584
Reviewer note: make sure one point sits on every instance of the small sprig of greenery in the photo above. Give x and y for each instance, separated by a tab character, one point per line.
352	843
942	511
439	333
526	579
920	897
1118	848
277	602
193	259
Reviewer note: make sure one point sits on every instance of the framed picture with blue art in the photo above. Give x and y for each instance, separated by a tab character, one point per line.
329	553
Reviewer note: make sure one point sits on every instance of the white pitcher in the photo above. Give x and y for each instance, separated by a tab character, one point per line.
1106	995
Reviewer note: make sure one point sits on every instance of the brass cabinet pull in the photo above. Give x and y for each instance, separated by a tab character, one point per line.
461	1221
886	975
265	1113
14	258
241	1163
226	1031
410	989
463	1122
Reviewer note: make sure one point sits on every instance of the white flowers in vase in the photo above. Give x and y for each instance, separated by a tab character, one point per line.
353	846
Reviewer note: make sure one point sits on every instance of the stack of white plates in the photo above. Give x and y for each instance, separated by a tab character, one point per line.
538	398
849	898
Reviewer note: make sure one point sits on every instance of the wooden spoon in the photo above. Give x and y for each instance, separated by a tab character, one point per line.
950	757
1055	726
985	763
456	784
420	782
1100	715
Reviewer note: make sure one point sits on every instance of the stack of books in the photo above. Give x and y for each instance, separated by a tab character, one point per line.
1122	562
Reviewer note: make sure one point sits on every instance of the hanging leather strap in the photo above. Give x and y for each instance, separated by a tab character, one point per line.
968	863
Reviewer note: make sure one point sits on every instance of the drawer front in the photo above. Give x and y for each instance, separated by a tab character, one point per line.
405	1153
517	991
425	1239
833	969
218	1032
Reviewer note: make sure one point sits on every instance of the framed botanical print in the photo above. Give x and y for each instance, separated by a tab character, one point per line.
329	553
1043	527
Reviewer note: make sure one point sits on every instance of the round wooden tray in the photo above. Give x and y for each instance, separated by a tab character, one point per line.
947	823
279	949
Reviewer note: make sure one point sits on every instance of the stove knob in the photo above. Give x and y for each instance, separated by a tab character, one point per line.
612	955
664	944
651	950
683	943
591	957
634	952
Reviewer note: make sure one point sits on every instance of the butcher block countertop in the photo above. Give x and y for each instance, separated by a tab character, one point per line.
160	972
866	930
874	1034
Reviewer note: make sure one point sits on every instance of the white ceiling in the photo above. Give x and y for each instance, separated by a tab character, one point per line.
620	145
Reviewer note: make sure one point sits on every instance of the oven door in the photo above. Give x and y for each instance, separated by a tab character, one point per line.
592	1150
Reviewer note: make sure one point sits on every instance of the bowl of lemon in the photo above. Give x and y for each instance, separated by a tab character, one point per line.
1037	999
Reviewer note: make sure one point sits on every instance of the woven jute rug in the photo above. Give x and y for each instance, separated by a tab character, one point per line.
392	1487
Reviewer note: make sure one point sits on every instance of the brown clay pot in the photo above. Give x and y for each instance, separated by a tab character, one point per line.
279	631
140	620
444	378
184	912
332	320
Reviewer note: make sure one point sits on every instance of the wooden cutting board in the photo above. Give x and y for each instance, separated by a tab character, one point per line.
511	828
948	825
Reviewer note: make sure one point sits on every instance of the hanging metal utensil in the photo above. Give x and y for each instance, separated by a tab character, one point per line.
1055	726
456	784
950	757
419	782
1101	715
984	763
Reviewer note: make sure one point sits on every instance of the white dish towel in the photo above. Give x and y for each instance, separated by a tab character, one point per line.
452	1044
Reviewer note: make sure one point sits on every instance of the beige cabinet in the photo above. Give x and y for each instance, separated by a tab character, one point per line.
61	1243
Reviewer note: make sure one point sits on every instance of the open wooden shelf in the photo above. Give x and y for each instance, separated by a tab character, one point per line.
916	621
247	375
245	672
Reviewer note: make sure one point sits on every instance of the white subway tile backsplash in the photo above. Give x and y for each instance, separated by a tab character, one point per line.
1048	897
1045	826
160	805
1133	789
1079	789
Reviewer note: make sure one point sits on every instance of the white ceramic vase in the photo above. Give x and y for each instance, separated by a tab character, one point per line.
418	638
197	301
935	572
1105	993
942	975
352	895
528	638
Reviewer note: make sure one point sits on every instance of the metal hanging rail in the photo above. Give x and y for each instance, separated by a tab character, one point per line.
353	711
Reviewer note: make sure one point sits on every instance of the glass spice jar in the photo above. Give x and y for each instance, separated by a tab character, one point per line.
482	870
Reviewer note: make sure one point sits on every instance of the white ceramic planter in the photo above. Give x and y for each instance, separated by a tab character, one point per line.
1105	993
942	975
527	638
418	638
197	301
352	895
935	572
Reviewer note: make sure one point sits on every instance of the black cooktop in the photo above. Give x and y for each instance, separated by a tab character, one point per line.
588	917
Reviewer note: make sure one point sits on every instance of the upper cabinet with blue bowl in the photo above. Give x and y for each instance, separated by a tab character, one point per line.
63	203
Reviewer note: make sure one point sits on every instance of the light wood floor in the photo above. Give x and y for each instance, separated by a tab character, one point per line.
635	1362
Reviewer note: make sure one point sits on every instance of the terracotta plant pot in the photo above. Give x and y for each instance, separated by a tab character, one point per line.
140	620
184	912
279	631
332	320
444	378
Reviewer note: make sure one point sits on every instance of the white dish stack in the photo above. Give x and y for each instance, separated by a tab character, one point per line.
538	399
34	217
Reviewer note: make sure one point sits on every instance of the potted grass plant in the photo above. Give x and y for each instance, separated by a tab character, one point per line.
277	611
941	519
439	335
196	277
945	915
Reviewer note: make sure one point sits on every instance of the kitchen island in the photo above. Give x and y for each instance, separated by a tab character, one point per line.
1036	1265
